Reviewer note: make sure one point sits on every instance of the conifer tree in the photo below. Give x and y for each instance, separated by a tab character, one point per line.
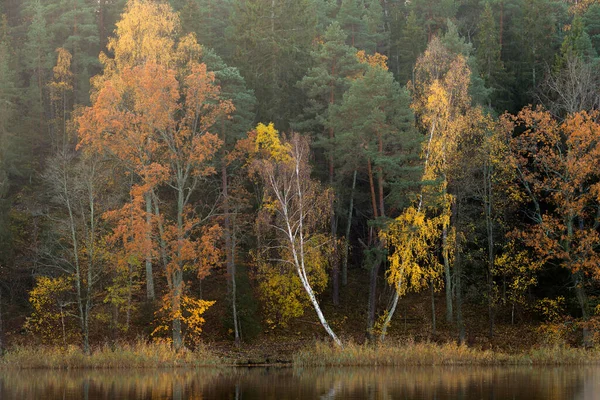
376	136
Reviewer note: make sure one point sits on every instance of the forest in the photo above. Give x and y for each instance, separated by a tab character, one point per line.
194	171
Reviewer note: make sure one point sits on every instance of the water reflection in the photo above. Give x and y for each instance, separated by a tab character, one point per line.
439	383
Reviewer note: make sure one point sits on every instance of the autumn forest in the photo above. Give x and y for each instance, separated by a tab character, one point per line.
190	172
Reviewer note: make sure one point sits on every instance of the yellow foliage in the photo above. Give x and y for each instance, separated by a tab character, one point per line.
146	32
411	238
49	300
267	138
63	76
280	286
190	313
551	309
376	60
518	267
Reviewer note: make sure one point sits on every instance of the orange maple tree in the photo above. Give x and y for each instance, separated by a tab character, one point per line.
154	110
557	175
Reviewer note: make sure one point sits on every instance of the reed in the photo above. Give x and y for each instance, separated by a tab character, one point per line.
429	354
122	355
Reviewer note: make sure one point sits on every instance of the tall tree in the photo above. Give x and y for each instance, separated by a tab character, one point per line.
375	130
489	52
324	84
442	105
153	109
412	42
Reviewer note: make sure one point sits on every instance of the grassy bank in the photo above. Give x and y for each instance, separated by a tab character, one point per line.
136	355
427	354
321	354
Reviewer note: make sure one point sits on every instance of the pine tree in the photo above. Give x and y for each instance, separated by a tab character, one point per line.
488	54
350	18
208	19
412	42
8	108
591	20
324	84
376	135
272	42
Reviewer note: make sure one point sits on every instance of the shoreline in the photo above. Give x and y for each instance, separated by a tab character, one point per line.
319	354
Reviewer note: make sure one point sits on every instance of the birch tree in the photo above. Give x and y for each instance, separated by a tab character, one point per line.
295	207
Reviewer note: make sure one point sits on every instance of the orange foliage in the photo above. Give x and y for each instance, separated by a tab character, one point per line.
556	163
154	110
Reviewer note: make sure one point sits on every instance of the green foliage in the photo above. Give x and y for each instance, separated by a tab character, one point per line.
412	42
576	43
334	63
591	21
272	42
375	114
489	54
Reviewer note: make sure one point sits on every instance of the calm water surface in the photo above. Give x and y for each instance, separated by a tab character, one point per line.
440	383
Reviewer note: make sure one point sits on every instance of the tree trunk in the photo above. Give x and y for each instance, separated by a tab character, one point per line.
149	277
459	315
335	273
374	273
229	252
433	325
501	23
348	228
380	181
177	277
389	315
448	277
315	303
581	295
458	282
489	224
1	326
373	199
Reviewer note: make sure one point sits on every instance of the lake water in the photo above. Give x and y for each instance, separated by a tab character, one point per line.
439	383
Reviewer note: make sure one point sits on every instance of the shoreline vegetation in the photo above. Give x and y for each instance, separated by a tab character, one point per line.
318	354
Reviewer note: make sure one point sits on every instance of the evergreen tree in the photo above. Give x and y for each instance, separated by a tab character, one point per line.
434	14
591	20
8	107
72	25
577	43
411	44
489	57
457	45
324	84
362	20
350	18
208	19
272	42
376	135
37	58
333	63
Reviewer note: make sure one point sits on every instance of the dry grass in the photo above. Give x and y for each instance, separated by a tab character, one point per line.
161	355
136	355
427	354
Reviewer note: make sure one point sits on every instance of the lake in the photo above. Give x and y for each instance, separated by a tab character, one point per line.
439	383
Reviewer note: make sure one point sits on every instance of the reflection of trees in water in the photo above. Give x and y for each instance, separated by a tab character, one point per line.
262	383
